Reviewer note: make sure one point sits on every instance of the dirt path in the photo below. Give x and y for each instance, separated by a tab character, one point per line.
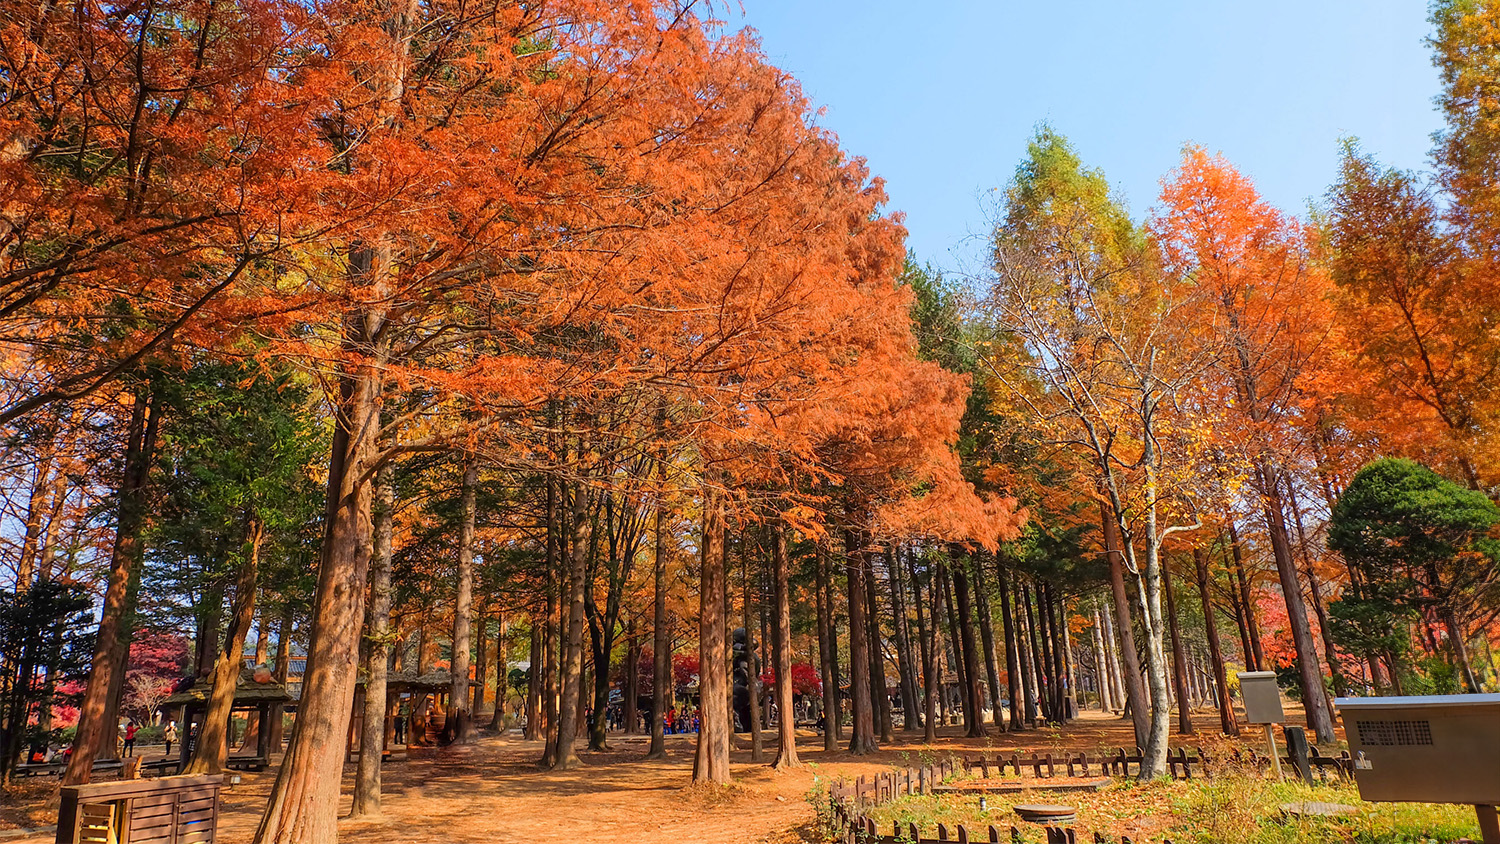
493	793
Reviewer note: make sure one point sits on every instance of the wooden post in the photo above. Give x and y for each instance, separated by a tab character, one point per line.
1489	824
1276	755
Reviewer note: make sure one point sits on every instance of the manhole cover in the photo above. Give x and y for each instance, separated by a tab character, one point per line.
1046	814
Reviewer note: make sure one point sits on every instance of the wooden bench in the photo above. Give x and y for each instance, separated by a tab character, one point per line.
184	810
247	763
48	769
162	766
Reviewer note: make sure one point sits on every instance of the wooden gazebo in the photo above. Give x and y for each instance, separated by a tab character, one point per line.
250	694
398	685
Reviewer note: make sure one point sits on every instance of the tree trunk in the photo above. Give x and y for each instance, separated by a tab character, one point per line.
1112	651
551	711
711	761
1034	665
781	631
481	636
987	639
303	806
1102	680
1179	658
1227	720
42	484
572	660
1309	670
752	655
1246	650
213	747
629	708
662	683
1012	664
97	727
1315	591
960	665
533	729
929	667
1049	652
974	702
905	664
1061	660
1024	657
372	735
879	690
497	721
828	654
1460	648
1135	690
1251	619
862	739
939	621
459	727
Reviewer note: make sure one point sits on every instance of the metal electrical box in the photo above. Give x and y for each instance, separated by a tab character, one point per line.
1433	749
1262	697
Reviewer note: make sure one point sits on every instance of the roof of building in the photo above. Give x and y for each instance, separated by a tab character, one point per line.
249	691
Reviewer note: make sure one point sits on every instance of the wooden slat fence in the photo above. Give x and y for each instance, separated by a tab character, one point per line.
1324	768
849	801
1180	765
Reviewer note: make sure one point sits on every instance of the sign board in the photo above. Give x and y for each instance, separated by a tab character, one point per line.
1262	697
1433	749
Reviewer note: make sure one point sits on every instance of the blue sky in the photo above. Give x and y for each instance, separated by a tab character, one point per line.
941	96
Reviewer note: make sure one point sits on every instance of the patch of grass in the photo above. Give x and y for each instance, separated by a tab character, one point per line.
1233	808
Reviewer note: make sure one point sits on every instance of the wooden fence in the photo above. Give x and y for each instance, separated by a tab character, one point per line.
1324	768
1180	764
849	801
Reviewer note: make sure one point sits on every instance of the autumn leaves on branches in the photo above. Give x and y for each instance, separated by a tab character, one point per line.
546	236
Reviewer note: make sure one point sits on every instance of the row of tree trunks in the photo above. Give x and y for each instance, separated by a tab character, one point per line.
1013	672
1179	658
987	639
906	663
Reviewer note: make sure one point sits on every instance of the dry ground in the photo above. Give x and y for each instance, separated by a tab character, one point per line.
492	792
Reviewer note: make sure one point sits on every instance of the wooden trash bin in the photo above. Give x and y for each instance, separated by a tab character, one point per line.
170	810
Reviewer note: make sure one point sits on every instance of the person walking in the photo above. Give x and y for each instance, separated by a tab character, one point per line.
130	730
169	736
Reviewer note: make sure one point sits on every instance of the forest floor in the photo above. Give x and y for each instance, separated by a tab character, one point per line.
493	792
